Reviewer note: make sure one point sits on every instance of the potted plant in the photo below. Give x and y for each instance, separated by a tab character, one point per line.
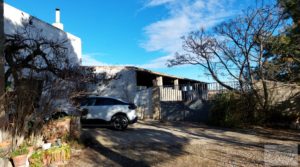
29	145
36	159
19	156
57	155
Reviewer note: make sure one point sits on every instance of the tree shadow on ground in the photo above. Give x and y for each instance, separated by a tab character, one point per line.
229	147
133	147
261	132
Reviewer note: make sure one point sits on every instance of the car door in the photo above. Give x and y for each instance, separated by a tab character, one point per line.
100	108
115	106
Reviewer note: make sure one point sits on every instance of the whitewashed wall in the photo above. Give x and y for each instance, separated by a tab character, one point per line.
13	23
123	87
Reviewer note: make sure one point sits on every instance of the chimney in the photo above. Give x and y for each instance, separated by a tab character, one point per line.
57	23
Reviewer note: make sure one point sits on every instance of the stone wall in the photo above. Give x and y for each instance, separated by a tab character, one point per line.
279	92
284	98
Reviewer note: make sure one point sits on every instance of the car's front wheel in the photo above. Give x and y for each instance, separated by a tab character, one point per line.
120	122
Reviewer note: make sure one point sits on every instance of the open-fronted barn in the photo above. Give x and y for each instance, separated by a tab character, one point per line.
157	95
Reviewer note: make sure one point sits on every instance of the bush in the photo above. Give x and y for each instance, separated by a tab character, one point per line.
281	114
232	110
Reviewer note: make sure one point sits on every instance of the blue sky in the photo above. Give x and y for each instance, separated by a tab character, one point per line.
142	33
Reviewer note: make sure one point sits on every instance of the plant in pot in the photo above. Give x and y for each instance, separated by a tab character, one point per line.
30	146
36	159
19	156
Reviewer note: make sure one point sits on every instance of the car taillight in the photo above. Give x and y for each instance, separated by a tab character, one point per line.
132	106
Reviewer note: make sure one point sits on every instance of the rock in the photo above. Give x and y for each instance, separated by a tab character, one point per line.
4	162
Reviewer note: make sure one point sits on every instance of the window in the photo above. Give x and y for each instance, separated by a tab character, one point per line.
90	102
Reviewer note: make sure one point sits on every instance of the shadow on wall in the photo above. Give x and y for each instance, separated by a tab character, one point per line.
119	83
285	101
287	112
39	31
135	147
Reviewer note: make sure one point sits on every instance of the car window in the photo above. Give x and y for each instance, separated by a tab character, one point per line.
99	102
118	102
108	101
90	102
84	102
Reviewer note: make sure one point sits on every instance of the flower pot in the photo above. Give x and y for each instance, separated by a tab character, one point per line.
20	160
30	150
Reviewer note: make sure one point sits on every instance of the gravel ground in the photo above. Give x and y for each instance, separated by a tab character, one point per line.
151	143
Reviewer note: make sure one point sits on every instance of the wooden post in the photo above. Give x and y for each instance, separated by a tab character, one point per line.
2	82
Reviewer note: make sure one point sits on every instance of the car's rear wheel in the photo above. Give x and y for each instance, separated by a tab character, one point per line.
120	122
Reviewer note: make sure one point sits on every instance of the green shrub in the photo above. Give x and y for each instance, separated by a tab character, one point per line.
232	110
53	155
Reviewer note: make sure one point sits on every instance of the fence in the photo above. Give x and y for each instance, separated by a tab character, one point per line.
183	92
149	100
218	87
170	94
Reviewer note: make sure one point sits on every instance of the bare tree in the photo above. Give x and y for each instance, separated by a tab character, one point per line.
32	61
236	49
29	51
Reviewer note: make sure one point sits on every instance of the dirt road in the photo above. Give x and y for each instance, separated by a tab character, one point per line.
152	143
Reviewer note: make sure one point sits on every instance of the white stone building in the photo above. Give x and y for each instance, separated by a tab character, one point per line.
156	94
13	23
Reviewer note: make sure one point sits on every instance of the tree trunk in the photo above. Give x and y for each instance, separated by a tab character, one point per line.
2	82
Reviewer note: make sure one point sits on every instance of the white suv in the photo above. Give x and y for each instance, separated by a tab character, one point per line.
112	110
